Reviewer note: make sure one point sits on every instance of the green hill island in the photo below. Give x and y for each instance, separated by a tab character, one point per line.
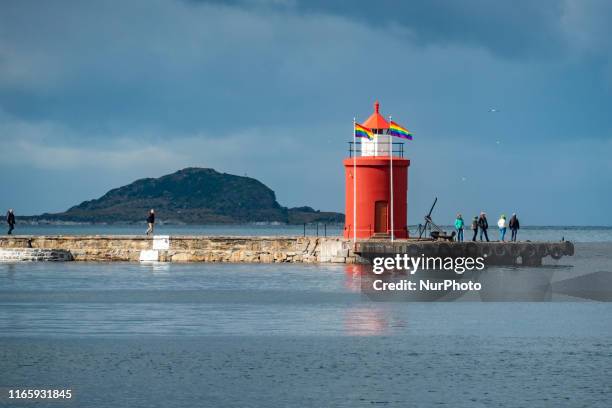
190	196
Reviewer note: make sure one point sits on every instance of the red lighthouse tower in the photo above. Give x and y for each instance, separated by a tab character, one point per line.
376	179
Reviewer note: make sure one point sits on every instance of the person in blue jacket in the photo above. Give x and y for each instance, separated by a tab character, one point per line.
459	227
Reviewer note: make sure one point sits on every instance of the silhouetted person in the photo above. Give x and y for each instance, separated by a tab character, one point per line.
459	224
151	222
475	227
514	226
10	220
483	224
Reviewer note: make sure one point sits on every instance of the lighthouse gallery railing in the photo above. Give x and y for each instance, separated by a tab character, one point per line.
397	149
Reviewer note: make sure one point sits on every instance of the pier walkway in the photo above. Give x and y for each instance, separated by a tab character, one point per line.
264	249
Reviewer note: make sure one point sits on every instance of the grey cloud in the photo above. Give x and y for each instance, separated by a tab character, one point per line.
140	89
511	29
175	65
521	29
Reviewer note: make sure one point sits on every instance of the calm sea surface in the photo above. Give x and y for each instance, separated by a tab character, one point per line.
231	335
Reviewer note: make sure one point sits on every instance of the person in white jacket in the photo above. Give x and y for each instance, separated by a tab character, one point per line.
502	227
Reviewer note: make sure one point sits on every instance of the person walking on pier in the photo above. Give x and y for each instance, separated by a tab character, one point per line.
10	220
483	225
151	222
475	227
514	226
459	227
501	223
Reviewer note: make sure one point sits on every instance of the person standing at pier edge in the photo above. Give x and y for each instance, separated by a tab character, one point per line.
501	223
10	220
483	224
514	226
151	222
475	227
459	227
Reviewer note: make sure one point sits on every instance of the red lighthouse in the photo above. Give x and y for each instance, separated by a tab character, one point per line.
376	179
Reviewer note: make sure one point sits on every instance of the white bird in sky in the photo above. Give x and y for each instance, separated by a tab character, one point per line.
493	110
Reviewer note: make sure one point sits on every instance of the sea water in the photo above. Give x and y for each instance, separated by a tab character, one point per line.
239	335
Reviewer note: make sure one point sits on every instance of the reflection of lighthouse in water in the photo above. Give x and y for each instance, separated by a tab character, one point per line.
373	208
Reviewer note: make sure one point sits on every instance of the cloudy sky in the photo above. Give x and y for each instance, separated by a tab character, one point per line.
97	95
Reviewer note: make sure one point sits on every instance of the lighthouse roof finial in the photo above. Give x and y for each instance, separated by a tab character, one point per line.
376	120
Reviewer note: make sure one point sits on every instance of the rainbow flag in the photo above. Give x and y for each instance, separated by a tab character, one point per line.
362	131
399	131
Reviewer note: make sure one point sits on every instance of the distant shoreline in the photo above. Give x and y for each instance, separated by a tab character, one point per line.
24	220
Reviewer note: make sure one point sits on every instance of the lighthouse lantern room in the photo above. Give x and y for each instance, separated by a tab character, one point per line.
376	184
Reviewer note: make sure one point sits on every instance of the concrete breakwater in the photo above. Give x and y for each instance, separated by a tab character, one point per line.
34	254
183	248
265	249
495	253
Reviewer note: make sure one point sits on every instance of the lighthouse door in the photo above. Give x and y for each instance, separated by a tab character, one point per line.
380	217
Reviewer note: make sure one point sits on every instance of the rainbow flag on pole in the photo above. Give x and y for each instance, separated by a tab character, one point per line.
399	131
362	131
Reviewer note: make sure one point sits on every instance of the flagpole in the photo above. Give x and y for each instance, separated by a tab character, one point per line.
391	182
354	184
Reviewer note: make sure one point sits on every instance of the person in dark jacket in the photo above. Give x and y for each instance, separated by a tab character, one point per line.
475	227
483	224
10	220
151	222
514	226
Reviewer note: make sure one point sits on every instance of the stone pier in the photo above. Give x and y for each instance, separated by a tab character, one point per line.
265	249
184	248
495	253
